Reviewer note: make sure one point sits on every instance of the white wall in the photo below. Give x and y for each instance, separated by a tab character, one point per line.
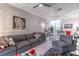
71	18
74	22
6	21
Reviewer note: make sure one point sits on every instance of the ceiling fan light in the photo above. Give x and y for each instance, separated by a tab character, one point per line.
40	5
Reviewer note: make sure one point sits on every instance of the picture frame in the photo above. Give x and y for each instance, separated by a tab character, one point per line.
68	26
19	22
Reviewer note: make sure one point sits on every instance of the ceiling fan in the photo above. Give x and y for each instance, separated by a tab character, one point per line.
42	4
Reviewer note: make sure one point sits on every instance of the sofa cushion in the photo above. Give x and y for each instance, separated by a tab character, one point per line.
33	40
18	38
10	49
67	39
59	43
22	44
29	36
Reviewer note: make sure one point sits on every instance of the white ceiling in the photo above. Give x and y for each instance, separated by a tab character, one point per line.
49	12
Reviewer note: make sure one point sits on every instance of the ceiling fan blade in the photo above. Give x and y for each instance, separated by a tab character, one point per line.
36	6
46	5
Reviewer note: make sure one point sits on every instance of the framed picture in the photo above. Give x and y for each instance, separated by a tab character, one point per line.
68	26
19	22
77	28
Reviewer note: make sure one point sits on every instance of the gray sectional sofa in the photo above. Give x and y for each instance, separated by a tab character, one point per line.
23	42
64	45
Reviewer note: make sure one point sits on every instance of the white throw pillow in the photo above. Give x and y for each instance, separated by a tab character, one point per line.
37	35
9	41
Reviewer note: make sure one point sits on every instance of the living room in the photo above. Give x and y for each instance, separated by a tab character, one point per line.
24	30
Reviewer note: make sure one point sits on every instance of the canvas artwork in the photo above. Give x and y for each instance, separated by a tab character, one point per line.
19	22
68	26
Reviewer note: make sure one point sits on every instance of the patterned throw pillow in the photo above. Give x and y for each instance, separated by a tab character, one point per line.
9	41
2	47
3	42
37	35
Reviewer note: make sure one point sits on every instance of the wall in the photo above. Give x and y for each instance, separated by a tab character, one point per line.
71	20
33	23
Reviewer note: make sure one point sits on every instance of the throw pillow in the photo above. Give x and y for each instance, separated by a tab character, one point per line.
37	35
3	42
2	47
9	41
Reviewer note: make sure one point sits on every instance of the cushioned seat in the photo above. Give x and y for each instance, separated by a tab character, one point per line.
67	39
8	51
22	44
59	43
18	38
64	45
33	40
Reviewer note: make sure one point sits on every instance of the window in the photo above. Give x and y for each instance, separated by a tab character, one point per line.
55	24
